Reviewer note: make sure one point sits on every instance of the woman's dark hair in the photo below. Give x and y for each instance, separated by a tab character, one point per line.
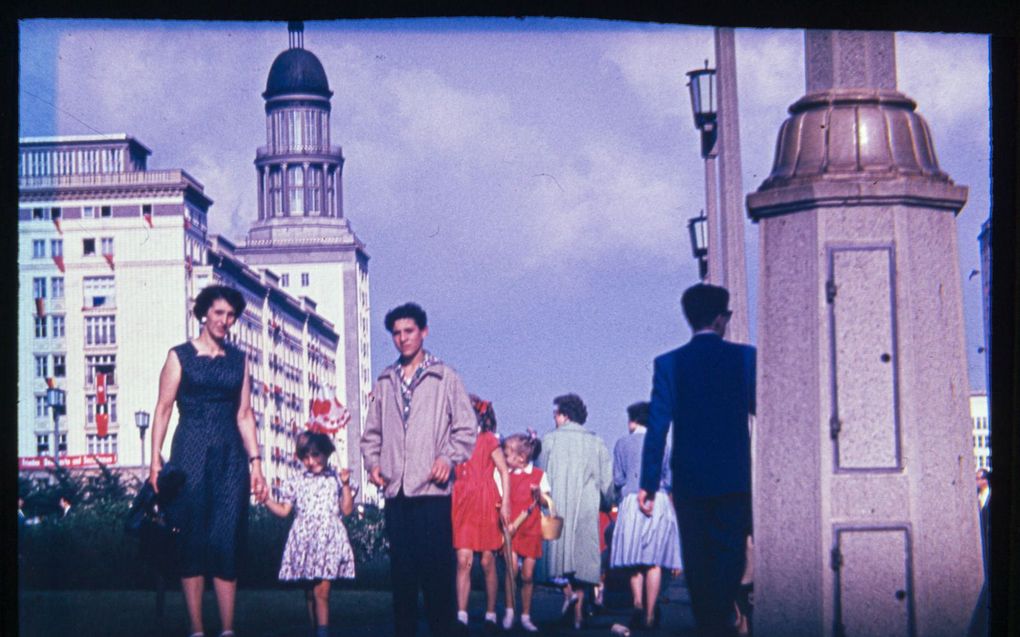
212	293
483	410
411	311
638	412
313	443
529	443
571	406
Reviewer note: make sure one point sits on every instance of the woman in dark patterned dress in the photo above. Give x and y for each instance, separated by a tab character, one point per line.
214	446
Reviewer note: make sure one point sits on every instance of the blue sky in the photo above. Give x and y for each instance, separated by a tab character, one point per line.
527	181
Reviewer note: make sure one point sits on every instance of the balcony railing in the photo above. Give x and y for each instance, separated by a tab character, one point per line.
141	177
319	149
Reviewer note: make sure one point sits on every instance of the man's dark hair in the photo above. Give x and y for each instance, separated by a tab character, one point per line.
571	406
638	412
411	311
212	293
313	443
702	303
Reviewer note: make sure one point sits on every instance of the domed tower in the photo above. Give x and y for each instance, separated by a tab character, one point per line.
301	233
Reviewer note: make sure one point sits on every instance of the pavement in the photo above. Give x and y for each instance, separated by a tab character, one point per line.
547	604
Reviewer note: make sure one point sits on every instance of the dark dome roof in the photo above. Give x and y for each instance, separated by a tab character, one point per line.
297	71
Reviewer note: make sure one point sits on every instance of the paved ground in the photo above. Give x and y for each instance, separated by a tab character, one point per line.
546	606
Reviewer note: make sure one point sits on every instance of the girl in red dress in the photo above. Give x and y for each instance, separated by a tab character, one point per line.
477	509
526	481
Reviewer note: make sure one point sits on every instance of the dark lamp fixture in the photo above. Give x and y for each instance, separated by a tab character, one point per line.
703	96
698	229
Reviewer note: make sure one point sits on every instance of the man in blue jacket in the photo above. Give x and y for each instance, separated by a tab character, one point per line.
706	389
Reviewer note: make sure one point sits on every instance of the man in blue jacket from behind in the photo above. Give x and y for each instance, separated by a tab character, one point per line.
706	388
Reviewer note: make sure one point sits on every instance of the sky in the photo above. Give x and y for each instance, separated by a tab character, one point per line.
527	181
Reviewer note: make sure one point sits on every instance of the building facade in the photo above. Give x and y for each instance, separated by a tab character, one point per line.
111	256
982	430
301	232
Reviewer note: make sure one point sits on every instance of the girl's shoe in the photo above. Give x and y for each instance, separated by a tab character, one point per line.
227	633
527	625
508	619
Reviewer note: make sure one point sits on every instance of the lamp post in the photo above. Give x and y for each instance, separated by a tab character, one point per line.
55	400
699	242
142	422
701	83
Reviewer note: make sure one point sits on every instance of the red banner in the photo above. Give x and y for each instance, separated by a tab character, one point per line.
71	462
59	260
102	413
40	307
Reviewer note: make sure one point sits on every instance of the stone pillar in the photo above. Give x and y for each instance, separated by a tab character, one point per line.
730	202
284	191
262	192
865	516
304	189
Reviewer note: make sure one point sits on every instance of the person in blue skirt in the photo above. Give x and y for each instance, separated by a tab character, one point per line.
642	544
216	449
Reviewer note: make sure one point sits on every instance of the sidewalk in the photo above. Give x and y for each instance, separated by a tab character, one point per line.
546	606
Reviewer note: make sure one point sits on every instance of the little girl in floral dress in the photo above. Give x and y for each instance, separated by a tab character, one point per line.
317	550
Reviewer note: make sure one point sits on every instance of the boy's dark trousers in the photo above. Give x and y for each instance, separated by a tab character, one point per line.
420	533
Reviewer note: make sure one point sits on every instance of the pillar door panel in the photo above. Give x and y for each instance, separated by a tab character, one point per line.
864	426
873	593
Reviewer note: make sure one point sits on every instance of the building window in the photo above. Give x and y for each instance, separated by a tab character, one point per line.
39	287
56	247
90	408
88	212
284	280
38	248
100	330
147	209
296	189
99	291
41	410
304	279
100	363
107	246
59	366
314	190
40	327
37	213
55	213
95	444
57	287
88	247
62	447
58	325
275	193
42	444
105	211
41	367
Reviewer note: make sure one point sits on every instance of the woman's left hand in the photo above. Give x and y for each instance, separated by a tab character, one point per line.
258	485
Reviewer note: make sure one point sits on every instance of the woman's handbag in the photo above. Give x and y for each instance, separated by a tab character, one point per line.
146	514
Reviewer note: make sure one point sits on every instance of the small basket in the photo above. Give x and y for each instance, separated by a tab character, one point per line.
552	524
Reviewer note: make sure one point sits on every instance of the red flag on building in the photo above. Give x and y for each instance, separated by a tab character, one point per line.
40	307
187	223
51	382
148	218
102	413
59	260
56	223
109	259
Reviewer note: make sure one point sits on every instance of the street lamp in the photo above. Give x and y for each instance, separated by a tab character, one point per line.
142	422
55	400
701	83
696	226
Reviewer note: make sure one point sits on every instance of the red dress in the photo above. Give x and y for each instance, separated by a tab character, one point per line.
527	541
475	507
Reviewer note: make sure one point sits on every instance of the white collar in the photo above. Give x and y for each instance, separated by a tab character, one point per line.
640	429
527	469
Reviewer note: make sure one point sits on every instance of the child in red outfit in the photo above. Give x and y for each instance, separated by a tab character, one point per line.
526	481
476	511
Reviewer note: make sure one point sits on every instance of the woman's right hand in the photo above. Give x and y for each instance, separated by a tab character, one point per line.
154	469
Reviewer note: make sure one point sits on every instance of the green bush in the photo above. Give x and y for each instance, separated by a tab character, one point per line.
89	549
